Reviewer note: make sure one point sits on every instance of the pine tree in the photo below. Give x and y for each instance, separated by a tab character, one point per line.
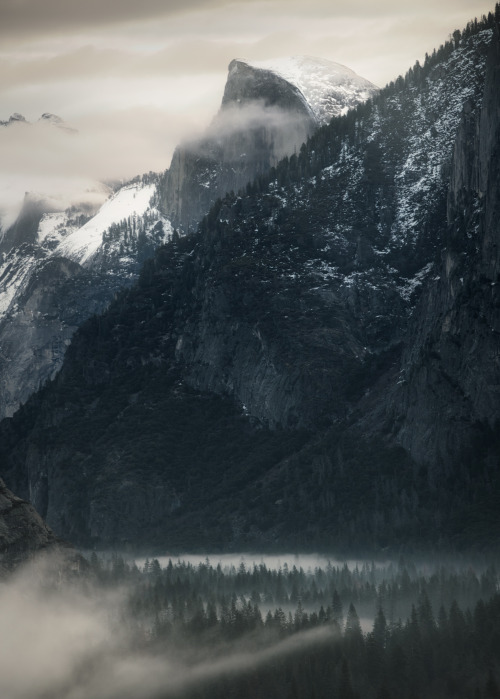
337	609
346	690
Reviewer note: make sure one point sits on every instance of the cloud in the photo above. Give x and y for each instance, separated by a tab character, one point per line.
33	17
115	145
138	77
66	642
46	636
67	168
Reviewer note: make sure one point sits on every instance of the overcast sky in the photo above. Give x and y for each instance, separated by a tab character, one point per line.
136	76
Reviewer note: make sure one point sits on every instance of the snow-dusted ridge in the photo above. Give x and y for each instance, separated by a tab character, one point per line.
130	201
60	235
330	88
54	278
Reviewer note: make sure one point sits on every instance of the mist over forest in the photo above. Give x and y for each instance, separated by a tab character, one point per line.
106	628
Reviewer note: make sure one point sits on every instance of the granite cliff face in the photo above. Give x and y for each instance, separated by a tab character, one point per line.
263	117
448	398
317	365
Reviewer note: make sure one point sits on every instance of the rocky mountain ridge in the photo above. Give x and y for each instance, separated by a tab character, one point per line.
457	327
46	118
59	268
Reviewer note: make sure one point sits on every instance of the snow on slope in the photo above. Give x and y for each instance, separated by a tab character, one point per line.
381	258
60	234
82	244
53	228
330	88
12	277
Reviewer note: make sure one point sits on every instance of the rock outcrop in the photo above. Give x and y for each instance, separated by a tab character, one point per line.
23	533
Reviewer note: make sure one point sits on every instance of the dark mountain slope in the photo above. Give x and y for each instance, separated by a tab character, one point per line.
250	390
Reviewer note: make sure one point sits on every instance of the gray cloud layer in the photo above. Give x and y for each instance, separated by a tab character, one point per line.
135	77
29	17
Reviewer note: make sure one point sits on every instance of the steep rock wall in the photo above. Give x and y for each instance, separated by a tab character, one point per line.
448	399
262	118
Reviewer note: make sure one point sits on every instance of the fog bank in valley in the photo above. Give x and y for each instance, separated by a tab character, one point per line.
64	638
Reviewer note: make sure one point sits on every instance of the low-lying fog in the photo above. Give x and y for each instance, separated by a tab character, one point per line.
108	628
61	640
307	561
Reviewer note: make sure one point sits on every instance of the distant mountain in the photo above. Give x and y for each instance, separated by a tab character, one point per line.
317	365
15	118
59	268
46	118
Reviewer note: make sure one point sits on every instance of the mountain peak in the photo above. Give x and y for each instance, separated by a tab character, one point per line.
247	84
268	111
330	88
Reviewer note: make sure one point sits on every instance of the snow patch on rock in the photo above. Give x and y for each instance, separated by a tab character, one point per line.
330	88
82	244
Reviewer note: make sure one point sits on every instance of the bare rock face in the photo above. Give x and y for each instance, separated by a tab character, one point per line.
23	533
264	116
58	295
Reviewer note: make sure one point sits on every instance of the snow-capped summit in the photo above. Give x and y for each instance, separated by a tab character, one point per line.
131	201
329	88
